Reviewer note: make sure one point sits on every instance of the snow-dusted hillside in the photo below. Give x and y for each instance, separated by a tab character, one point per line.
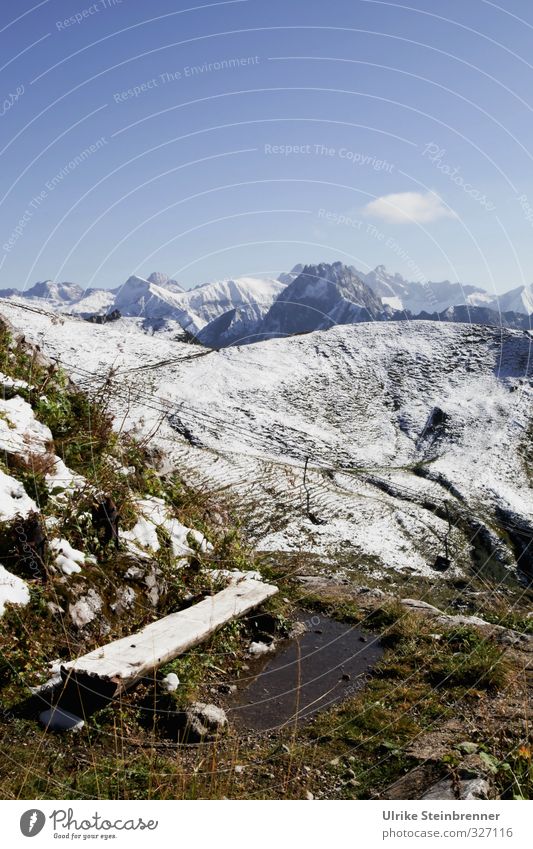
400	422
92	302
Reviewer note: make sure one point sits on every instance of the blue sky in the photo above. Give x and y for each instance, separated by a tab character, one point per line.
225	139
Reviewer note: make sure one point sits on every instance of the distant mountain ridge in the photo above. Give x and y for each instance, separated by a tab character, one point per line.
309	297
47	290
320	297
415	297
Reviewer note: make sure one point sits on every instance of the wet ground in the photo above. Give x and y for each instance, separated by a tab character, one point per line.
304	675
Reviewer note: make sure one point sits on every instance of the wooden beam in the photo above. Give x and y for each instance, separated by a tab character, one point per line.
118	665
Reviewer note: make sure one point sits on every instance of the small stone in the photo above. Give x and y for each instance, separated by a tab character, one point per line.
309	796
86	609
124	601
239	769
509	639
297	630
468	747
204	720
228	689
134	573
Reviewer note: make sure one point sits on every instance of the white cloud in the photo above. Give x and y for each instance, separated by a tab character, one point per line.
409	207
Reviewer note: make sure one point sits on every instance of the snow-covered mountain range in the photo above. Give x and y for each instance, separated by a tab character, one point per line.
415	297
161	302
308	298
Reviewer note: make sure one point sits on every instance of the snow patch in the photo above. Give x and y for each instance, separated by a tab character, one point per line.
11	383
67	558
14	501
13	590
154	514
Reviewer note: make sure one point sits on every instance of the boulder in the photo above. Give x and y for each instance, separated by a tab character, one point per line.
467	790
201	722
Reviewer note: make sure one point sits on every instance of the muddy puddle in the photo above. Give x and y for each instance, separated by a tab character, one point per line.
304	675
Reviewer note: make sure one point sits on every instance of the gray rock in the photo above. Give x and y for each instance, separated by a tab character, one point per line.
153	583
228	689
200	722
461	621
298	630
86	609
474	788
468	747
416	604
134	573
124	601
373	592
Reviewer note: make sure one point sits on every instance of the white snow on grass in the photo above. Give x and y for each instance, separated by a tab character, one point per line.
154	514
14	500
13	590
21	433
12	383
67	558
170	683
62	478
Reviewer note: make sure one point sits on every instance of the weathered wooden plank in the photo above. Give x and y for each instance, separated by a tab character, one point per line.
122	662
